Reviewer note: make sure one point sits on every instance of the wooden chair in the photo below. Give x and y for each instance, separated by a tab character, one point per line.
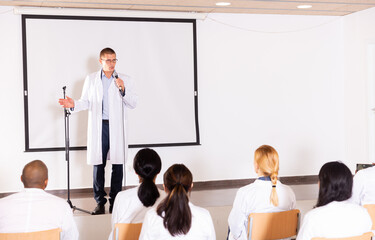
275	225
365	236
128	231
53	234
371	210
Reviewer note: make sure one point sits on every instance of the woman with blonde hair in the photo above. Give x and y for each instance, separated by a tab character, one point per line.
265	194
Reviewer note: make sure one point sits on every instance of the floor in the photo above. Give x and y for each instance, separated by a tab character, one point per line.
217	202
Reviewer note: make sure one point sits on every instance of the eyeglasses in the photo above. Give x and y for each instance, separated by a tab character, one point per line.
108	61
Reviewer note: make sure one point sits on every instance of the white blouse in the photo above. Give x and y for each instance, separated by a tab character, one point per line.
33	209
202	227
364	187
335	220
129	209
255	198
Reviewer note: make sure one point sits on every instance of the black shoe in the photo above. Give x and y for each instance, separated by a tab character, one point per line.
110	208
100	209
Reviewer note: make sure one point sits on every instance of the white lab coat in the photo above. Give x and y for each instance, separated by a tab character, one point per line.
129	209
202	227
255	198
34	210
364	187
335	220
91	99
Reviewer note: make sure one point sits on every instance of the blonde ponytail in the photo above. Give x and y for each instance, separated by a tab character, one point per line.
274	198
267	160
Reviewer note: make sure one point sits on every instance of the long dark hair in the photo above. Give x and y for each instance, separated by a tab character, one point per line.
335	183
147	165
175	209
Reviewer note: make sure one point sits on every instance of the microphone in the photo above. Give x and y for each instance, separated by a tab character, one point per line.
64	91
116	76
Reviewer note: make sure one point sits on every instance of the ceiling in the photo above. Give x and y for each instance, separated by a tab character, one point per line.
319	7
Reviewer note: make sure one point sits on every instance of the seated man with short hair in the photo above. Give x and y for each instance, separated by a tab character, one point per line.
33	209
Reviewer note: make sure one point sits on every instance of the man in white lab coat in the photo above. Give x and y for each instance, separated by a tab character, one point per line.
107	96
33	209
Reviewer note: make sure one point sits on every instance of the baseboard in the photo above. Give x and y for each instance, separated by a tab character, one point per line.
198	186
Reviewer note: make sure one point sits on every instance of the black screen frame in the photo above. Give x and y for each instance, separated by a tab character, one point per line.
25	17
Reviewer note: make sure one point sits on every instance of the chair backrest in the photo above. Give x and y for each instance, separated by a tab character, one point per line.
365	236
275	225
128	231
371	210
53	234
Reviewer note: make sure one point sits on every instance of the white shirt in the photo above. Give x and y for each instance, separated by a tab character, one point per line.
36	210
364	187
106	83
255	198
335	220
202	227
129	209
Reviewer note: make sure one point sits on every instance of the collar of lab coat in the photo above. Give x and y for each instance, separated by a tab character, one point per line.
33	190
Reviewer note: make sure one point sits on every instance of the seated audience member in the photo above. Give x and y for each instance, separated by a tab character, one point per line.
131	205
175	217
334	216
364	187
35	210
266	194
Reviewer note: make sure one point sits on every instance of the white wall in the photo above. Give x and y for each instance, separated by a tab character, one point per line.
359	36
295	90
281	89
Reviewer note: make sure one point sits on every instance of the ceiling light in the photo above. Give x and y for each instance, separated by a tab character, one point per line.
304	6
222	3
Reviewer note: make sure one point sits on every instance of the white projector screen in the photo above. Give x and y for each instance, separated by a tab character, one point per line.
159	55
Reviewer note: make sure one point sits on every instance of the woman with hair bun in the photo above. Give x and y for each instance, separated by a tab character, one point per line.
265	194
334	216
176	217
131	205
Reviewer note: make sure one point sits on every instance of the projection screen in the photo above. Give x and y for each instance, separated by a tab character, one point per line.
159	55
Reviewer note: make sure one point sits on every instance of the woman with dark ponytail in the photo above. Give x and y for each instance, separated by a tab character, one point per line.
175	217
265	194
131	205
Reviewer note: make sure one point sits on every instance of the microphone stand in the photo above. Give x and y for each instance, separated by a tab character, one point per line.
66	122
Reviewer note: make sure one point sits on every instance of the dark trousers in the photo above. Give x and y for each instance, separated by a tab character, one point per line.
99	174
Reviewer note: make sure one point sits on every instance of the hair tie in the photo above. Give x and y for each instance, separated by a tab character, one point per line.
180	184
273	186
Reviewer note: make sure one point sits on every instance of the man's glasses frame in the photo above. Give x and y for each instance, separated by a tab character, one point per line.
110	60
